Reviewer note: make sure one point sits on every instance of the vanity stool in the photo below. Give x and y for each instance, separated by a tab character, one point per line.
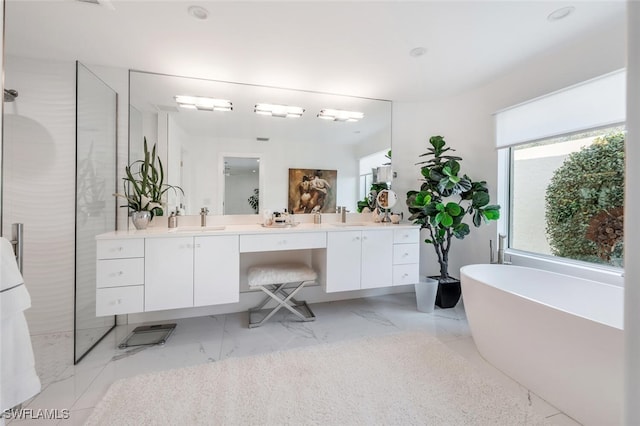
280	282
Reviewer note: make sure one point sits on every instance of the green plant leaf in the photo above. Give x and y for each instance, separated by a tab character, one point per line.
461	230
444	219
491	214
422	199
454	167
454	209
477	218
437	142
435	175
440	207
480	199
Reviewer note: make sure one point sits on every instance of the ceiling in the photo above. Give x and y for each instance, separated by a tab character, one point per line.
356	48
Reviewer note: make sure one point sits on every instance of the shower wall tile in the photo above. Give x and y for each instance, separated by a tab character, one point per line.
39	184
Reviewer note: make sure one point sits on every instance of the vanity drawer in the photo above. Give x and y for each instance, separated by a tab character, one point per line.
118	249
289	241
401	236
405	274
119	300
119	272
406	253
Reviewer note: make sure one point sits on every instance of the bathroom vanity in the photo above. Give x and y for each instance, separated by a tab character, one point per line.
160	269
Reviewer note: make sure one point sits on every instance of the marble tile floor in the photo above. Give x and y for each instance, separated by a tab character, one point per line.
208	339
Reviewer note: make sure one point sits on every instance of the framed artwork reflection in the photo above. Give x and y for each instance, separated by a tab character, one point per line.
312	190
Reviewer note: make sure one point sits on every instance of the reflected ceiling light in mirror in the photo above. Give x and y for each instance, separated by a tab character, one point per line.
340	115
204	104
282	111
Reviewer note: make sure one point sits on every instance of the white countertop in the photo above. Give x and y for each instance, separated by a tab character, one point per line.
186	231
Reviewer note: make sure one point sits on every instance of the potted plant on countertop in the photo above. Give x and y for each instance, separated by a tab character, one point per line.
444	199
144	188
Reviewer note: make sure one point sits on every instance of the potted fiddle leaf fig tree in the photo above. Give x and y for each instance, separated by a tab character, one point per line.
446	197
144	188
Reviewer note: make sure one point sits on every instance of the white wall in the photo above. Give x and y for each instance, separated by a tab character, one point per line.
466	122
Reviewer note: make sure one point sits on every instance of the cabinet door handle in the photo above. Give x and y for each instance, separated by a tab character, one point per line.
357	238
405	275
120	273
405	254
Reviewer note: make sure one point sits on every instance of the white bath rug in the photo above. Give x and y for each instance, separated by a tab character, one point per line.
403	379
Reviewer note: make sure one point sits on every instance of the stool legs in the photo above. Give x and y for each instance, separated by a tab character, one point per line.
284	299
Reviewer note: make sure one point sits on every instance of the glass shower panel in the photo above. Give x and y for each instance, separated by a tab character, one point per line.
96	111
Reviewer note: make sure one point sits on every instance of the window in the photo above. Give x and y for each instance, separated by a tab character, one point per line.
567	196
564	189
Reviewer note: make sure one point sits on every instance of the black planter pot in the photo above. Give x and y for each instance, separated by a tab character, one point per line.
448	293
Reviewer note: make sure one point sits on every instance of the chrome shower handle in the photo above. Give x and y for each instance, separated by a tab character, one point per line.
17	241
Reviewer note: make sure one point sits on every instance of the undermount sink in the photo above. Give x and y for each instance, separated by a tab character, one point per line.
199	228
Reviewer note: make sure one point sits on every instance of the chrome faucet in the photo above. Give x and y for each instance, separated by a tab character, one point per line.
501	261
501	238
342	210
203	216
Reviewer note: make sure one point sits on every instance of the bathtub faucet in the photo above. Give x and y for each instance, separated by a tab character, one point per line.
501	238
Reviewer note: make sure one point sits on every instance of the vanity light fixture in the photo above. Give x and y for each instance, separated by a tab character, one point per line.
561	13
204	104
340	115
282	111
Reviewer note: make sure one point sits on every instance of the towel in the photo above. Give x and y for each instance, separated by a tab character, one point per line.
17	365
9	274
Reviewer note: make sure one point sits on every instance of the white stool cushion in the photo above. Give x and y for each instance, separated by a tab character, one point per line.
280	273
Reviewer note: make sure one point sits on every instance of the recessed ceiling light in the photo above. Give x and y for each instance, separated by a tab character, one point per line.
417	51
198	12
561	13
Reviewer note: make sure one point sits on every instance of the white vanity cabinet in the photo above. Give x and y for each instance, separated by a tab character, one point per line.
119	276
158	269
184	272
406	256
344	254
359	260
216	270
168	273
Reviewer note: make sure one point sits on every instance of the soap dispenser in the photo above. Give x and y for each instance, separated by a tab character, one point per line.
173	220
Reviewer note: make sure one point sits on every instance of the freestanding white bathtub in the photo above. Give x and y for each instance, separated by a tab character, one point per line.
559	336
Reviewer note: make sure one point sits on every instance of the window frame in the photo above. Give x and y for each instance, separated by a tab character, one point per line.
582	269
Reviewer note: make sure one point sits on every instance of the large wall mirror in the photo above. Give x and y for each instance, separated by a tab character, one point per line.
238	161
